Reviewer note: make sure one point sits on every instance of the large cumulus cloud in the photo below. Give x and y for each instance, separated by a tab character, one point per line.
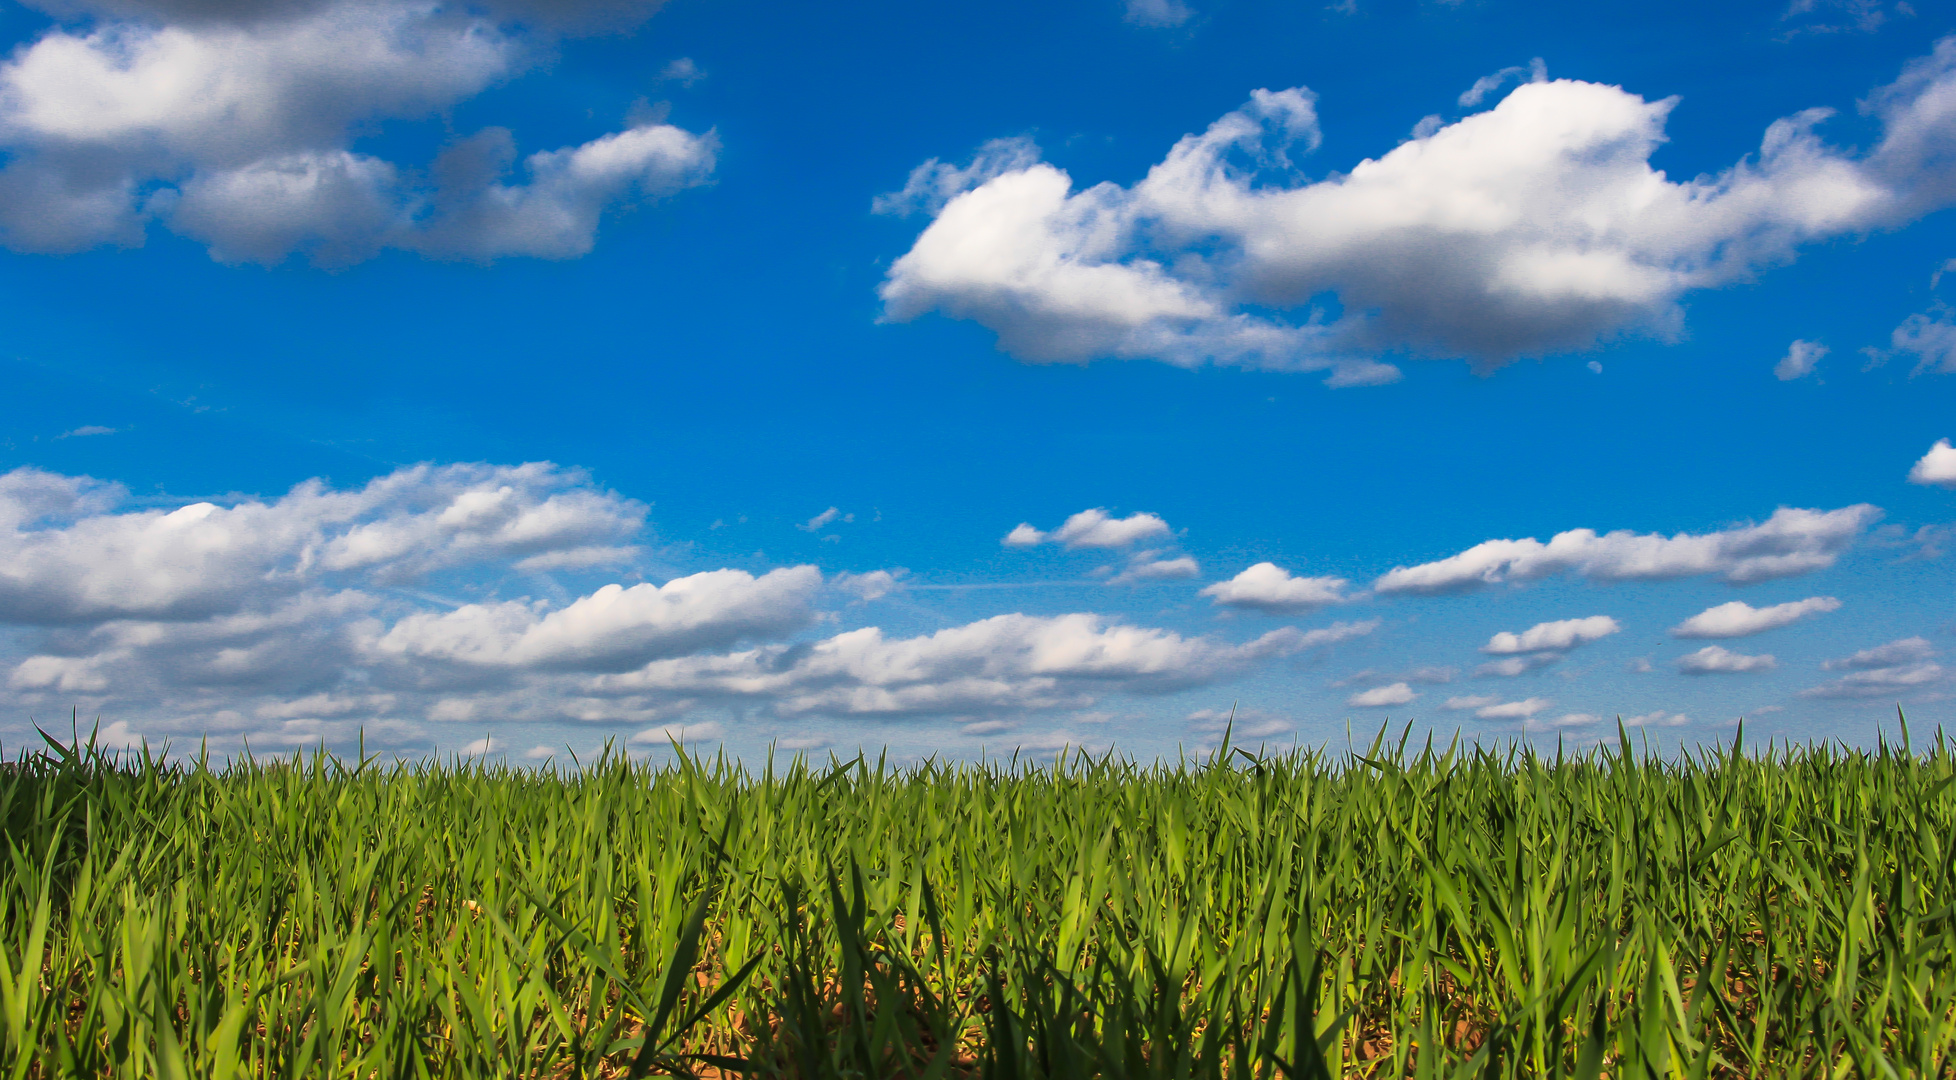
1536	226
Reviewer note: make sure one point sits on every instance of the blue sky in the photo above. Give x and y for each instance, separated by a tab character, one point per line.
292	293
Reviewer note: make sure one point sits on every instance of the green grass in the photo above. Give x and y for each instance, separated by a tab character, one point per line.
1405	911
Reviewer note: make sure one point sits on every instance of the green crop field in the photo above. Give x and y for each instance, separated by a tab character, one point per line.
1405	910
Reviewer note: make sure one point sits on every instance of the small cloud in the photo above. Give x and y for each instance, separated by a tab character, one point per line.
1160	14
1380	696
1566	720
1596	366
1799	360
1905	651
539	752
1427	125
802	742
1841	17
1659	718
1092	529
1268	588
815	523
1740	619
581	558
663	734
1513	710
1509	667
1717	660
986	727
1938	466
682	71
1641	666
874	585
1243	724
1145	566
1878	682
1537	71
1559	635
480	747
1024	535
1471	701
86	430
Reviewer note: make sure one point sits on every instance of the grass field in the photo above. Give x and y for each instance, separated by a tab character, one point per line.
1408	910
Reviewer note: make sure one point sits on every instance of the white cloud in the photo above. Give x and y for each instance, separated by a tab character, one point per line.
1740	619
1566	720
1891	669
1471	701
874	585
1559	635
1092	529
233	127
1023	535
1511	666
1841	16
819	520
1395	694
67	557
1534	227
1425	675
1158	13
615	628
1799	360
1513	710
1145	566
1657	718
1242	724
666	734
321	614
1879	682
935	182
1938	466
1004	663
1718	660
1790	542
1905	651
86	430
1930	337
682	71
1267	588
481	747
1536	71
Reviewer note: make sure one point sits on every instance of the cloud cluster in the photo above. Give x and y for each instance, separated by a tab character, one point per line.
1004	663
1095	529
1788	543
1883	671
323	612
1536	226
1740	619
235	125
66	556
